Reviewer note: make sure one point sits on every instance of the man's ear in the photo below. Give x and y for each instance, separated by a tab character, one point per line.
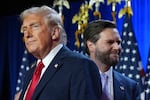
91	46
56	33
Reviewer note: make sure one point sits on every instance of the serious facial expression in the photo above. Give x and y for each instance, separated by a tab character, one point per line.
36	35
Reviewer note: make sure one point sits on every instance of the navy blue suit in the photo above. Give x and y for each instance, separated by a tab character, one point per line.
125	88
75	78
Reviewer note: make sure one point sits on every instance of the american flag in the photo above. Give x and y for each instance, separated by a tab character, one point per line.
147	79
24	67
130	63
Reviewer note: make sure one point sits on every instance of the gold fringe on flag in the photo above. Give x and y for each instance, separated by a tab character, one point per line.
127	9
82	20
60	4
96	13
113	2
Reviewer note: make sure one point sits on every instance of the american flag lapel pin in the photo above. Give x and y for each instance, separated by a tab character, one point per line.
122	88
56	65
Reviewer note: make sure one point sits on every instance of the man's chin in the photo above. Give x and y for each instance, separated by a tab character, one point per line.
115	61
113	64
31	51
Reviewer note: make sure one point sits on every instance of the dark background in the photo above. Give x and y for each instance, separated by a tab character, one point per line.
12	47
12	7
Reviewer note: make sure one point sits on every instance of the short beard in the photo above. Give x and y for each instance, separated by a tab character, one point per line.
104	57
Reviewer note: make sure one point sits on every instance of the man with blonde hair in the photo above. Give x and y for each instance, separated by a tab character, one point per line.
59	73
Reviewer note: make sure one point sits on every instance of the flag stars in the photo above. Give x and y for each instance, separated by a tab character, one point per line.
22	66
130	55
147	91
149	59
24	59
147	74
125	58
20	74
125	25
27	68
133	59
134	51
148	82
124	66
130	75
137	76
147	79
131	67
148	66
120	67
124	33
129	42
127	50
17	88
19	81
25	51
121	58
130	34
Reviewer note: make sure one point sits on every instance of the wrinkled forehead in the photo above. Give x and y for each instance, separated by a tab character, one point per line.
32	18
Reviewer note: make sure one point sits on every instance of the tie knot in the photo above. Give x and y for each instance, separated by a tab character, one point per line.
104	76
39	68
41	64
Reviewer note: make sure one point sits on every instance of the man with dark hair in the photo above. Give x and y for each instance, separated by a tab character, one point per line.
103	45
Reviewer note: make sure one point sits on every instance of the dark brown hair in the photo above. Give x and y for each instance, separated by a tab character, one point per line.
93	30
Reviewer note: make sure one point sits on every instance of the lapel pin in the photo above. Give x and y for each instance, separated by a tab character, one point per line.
122	88
56	65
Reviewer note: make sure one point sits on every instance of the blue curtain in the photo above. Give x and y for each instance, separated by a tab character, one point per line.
141	27
12	47
10	52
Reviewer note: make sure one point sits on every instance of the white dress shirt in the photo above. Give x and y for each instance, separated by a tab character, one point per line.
46	61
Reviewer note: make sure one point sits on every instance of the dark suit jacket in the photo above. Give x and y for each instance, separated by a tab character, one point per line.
75	78
125	88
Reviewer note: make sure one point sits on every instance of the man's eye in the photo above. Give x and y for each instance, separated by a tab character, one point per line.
110	42
23	30
119	42
35	26
31	27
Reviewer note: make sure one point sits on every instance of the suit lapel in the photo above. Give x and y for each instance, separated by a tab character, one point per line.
50	72
119	88
28	79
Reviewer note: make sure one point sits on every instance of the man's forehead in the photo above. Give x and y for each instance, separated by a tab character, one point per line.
109	32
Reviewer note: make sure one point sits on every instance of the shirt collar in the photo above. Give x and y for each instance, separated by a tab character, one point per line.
108	73
46	61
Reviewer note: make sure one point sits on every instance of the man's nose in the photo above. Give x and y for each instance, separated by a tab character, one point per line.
117	46
28	32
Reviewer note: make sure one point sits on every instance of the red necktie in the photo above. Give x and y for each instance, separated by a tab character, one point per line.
35	80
